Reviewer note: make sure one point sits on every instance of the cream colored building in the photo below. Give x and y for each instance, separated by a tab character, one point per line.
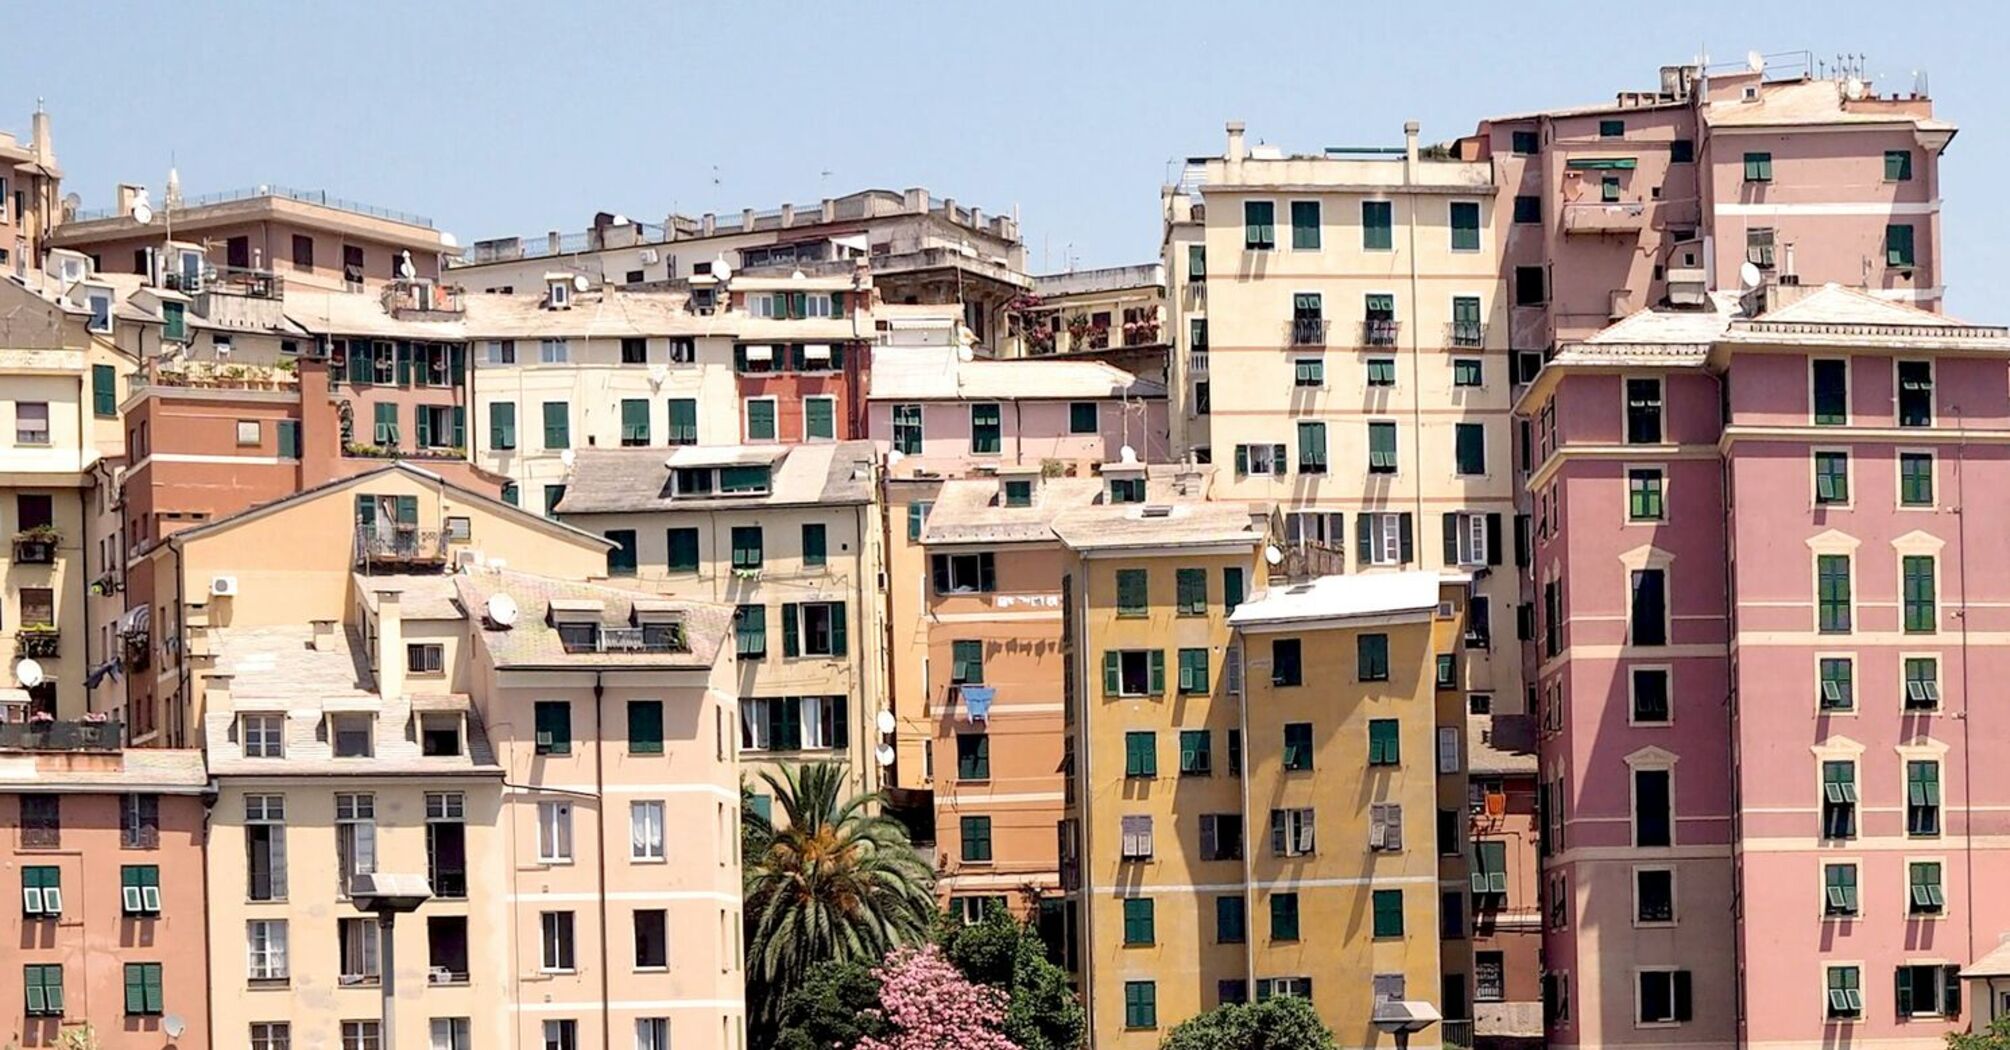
1116	308
1357	367
790	538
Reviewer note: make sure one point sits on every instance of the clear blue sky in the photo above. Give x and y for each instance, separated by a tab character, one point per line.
517	117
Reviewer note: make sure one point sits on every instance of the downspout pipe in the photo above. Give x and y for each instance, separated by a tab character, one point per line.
600	855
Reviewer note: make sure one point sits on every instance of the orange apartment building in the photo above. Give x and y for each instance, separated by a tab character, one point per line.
29	183
104	848
1503	901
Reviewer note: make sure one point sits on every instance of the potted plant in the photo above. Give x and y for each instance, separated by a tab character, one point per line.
37	546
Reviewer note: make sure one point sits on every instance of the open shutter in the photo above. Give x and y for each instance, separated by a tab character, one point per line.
1277	833
1113	673
1451	539
1364	538
1950	977
404	360
1680	982
1902	993
838	647
1277	460
460	439
1241	459
422	425
1493	539
939	568
1407	531
1158	667
1305	837
1208	844
1392	833
790	643
457	363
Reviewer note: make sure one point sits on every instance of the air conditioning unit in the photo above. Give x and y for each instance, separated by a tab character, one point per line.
649	256
223	586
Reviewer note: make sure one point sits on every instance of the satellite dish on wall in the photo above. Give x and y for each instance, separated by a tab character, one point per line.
1273	555
1127	454
1854	88
1749	276
142	214
28	673
894	457
1755	62
580	283
405	267
173	1025
885	721
501	610
567	457
884	755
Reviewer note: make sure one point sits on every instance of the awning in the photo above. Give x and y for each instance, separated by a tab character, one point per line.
135	619
977	702
436	703
1603	163
760	353
817	352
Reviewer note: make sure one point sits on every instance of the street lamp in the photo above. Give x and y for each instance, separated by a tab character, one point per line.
1403	1017
387	897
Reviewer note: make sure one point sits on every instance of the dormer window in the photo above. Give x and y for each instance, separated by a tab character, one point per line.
721	481
661	627
99	301
577	621
558	294
1127	490
1017	494
351	736
262	735
440	735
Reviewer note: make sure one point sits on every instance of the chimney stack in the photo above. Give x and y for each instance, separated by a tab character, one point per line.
390	645
1410	129
324	635
1236	153
45	145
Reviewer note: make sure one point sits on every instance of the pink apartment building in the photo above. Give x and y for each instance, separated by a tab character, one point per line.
1762	611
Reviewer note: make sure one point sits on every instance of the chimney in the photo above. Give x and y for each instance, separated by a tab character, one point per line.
917	201
788	215
551	241
710	224
829	212
390	646
324	635
1410	129
45	146
216	691
1235	151
746	218
125	196
320	420
670	226
976	218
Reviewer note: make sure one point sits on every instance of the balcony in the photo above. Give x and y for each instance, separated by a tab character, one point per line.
415	300
1197	361
1456	1034
1466	334
49	735
39	641
219	375
1141	333
605	638
1599	218
1380	331
36	546
240	281
1307	331
399	546
1083	335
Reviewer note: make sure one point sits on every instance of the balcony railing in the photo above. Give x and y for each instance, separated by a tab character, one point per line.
399	544
405	298
36	547
1380	331
1197	361
604	638
1456	1033
1467	333
1307	331
108	735
1605	217
241	280
38	642
1141	333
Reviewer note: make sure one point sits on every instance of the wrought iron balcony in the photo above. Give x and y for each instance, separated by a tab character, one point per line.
1471	334
1380	331
38	642
1308	331
392	545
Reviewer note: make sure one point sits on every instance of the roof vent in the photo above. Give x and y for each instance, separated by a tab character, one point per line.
1156	510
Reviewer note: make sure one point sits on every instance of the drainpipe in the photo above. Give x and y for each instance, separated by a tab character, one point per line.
1967	779
600	855
1416	352
84	545
1730	703
1248	840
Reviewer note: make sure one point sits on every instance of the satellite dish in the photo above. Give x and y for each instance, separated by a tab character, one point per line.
567	457
895	457
142	214
1273	555
720	267
1749	276
1755	62
799	276
28	673
657	374
1854	88
405	267
1127	454
965	353
173	1025
501	609
580	283
884	755
885	721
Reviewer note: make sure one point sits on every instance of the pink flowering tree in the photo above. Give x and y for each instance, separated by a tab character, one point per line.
932	1006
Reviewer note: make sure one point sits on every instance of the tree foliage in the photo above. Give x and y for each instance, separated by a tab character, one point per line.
832	1009
1042	1012
1284	1022
930	1005
1996	1038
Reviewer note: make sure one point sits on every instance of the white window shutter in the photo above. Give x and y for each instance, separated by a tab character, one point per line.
132	900
1448	749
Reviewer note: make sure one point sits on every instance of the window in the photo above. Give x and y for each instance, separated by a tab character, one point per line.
1832	593
819	419
1915	479
1138	921
355	838
1644	495
1839	799
366	1035
1286	667
1926	897
1465	226
447	844
1915	393
1141	1004
645	830
1122	490
749	548
558	1035
761	419
265	950
1528	210
1929	991
1196	262
553	351
1898	165
1231	920
553	719
1831	478
1653	812
1608	189
1611	129
1305	225
1141	754
683	421
1649	621
276	1035
1259	225
556	955
1384	742
1529	287
1643	411
819	627
1377	226
1297	746
1388	912
448	1033
1898	245
1922	683
553	494
557	425
554	832
31	422
139	821
652	939
1311	372
358	947
1292	832
1312	448
1284	916
1837	677
1489	881
907	429
976	835
265	847
1839	890
41	891
1682	151
973	756
963	573
140	889
1447	671
1653	895
1664	997
1470	448
1650	695
750	631
1193	673
1195	749
1259	460
1922	798
1132	588
816	550
1136	836
1381	448
143	990
985	429
1082	418
1525	143
1385	827
1920	615
1758	167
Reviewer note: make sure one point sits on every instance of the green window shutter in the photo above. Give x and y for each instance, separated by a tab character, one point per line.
634	421
512	494
1132	592
760	420
751	630
839	644
1377	226
407	510
791	644
645	727
1192	587
1384	742
557	425
404	362
1758	167
1305	225
1158	672
683	547
1920	614
1388	906
1141	754
459	438
502	425
384	424
457	364
1194	752
1898	245
1193	672
1196	262
422	425
1259	231
966	662
1465	226
820	418
104	390
1113	673
1231	588
289	439
1284	916
553	722
1897	165
683	421
359	361
813	544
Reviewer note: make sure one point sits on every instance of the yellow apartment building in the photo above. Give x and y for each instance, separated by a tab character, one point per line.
1355	296
1152	835
789	537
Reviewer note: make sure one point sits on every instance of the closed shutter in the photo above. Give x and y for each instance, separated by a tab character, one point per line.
838	640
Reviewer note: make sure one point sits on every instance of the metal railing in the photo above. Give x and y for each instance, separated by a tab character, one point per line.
244	281
1307	331
395	543
320	197
1378	331
108	735
1467	333
648	638
38	642
1456	1033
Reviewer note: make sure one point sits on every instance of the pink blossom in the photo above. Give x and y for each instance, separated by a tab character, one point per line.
932	1006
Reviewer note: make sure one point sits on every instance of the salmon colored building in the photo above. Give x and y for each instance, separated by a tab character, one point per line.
103	850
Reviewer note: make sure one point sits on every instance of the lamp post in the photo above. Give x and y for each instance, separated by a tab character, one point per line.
387	897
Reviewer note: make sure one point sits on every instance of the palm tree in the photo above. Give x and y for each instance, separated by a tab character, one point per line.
833	879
